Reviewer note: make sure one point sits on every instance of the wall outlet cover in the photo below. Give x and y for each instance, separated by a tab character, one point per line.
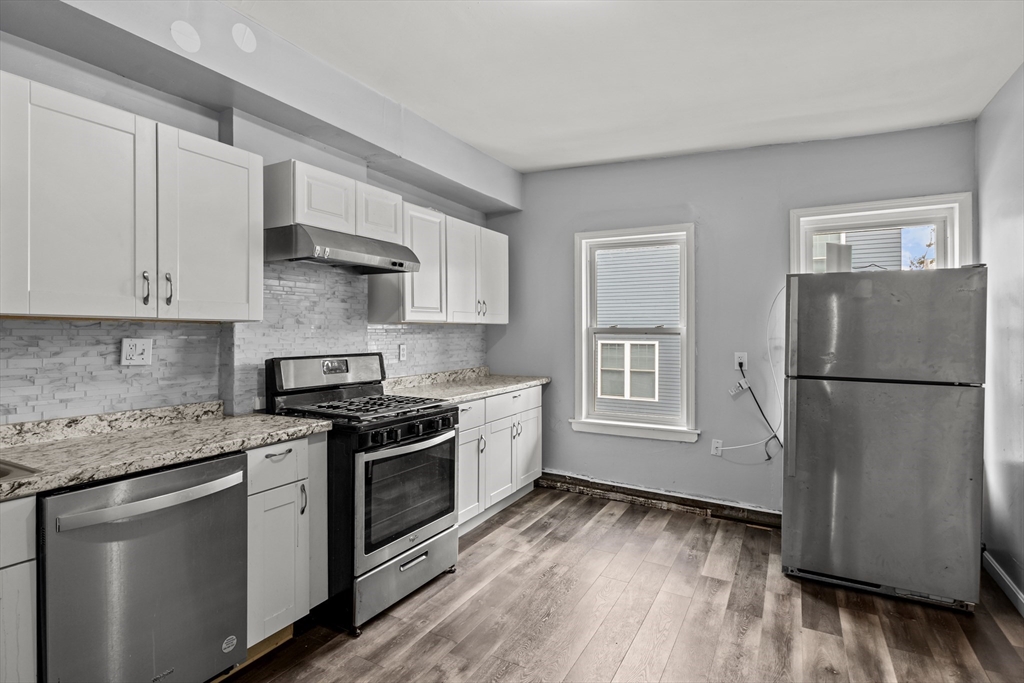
401	352
136	352
739	357
716	447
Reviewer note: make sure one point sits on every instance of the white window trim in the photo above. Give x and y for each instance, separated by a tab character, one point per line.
584	356
955	211
626	370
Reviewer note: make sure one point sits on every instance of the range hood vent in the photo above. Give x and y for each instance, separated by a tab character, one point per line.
359	254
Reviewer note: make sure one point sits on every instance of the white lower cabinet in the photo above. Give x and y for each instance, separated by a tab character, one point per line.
499	449
18	623
18	591
471	484
278	534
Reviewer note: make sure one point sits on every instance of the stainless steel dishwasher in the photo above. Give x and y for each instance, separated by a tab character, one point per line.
144	579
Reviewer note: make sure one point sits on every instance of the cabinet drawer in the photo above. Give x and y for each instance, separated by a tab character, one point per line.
511	403
471	415
17	530
278	464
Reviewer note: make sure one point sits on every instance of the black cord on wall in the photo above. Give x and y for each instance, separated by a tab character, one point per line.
768	456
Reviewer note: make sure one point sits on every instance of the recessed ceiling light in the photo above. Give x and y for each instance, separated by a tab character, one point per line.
185	36
244	37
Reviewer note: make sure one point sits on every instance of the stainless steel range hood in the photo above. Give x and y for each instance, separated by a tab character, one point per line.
359	254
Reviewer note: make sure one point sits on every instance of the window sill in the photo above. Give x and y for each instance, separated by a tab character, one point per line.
643	431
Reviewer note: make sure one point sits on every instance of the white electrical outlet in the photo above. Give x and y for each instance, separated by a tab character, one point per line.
136	352
716	447
739	357
401	352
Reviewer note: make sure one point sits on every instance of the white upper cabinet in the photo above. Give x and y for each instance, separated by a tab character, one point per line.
78	221
378	214
296	192
492	277
210	226
94	225
477	274
424	290
463	302
418	297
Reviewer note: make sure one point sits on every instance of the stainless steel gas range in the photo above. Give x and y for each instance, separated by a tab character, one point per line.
392	474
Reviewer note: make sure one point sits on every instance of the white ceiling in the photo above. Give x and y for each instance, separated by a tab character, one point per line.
551	84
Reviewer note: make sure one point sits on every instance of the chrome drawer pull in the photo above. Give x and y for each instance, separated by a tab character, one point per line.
412	563
466	409
483	444
271	456
305	499
170	288
145	297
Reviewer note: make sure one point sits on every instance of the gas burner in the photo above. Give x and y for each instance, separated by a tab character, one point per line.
365	408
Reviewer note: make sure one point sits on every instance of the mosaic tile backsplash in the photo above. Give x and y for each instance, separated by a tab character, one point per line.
61	368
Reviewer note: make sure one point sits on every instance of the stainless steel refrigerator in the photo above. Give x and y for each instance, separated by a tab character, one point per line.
884	426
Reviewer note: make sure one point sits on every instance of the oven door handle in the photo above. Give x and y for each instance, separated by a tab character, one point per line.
410	448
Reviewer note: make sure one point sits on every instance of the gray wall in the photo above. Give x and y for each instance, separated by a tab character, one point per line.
1000	131
740	203
60	368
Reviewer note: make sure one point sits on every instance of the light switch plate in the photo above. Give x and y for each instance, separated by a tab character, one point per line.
136	352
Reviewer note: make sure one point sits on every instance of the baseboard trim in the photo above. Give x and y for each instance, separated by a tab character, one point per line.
476	521
1003	579
658	499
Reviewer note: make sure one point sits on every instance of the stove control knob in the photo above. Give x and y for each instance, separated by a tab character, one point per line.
377	437
393	435
446	422
419	429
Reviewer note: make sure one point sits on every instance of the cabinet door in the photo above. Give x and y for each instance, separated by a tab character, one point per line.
499	464
210	224
492	274
424	290
461	250
278	583
528	450
323	199
471	489
78	216
18	623
378	213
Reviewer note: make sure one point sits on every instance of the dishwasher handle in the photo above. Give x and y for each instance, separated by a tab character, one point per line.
140	507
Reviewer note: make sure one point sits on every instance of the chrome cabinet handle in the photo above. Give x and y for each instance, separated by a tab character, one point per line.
515	432
170	288
305	499
483	444
141	507
485	306
271	456
466	409
516	395
519	428
478	307
145	297
412	563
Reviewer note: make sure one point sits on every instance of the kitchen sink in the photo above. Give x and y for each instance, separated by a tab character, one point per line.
10	471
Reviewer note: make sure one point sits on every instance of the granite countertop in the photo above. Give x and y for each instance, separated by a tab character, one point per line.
474	388
111	453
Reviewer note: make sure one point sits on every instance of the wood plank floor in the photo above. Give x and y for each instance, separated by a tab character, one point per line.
565	587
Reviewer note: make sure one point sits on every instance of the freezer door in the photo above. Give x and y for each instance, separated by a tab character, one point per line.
883	484
923	326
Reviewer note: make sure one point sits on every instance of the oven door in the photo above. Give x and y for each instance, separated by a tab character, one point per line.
404	495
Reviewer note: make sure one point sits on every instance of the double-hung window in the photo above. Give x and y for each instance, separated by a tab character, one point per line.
634	333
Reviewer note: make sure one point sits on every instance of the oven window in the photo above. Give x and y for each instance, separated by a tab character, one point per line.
406	492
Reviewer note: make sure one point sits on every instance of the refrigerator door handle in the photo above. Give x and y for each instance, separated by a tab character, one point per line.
792	314
789	452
